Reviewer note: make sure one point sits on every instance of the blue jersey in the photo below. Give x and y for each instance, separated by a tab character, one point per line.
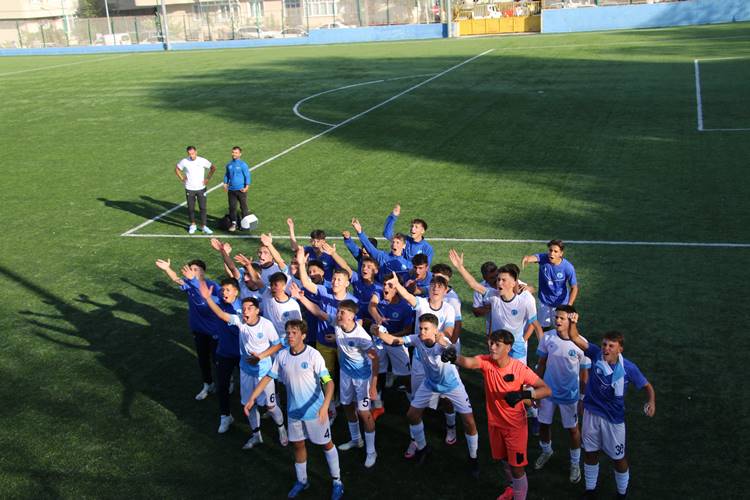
400	314
329	265
301	374
412	247
387	261
200	317
237	175
423	284
329	305
229	335
554	280
600	394
364	293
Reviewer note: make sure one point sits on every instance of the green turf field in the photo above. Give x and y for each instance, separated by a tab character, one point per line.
581	137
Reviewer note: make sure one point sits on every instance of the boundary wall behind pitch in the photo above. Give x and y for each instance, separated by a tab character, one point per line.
659	15
316	37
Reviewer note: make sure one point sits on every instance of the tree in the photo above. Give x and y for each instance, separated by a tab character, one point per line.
91	8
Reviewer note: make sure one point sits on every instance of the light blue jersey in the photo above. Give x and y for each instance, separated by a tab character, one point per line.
301	374
353	347
439	376
564	363
255	339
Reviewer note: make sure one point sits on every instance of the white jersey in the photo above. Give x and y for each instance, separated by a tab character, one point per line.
279	312
353	347
512	316
255	339
446	315
301	374
452	298
194	171
564	363
245	291
439	376
479	301
266	272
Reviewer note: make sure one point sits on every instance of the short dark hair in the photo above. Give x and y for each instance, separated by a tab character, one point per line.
488	267
276	277
316	263
390	276
557	243
442	269
400	236
429	318
615	336
318	234
252	300
296	323
509	269
373	241
197	262
339	270
420	260
257	267
421	222
370	259
566	308
439	280
237	148
190	148
230	282
503	336
349	305
515	267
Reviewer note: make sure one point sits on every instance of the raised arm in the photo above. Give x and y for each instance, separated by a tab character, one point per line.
408	297
458	262
331	250
351	246
470	363
225	249
166	267
529	259
376	254
390	222
206	294
307	283
267	241
574	335
292	236
255	278
311	306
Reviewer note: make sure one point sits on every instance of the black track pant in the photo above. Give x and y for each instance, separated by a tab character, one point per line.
224	369
205	346
191	196
234	198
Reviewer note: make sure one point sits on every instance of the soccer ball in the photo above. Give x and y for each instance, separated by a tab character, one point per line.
249	223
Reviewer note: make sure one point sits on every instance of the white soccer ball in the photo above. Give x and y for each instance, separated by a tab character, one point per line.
249	223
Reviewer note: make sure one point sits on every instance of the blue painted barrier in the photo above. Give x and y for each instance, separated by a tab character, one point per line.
316	37
688	12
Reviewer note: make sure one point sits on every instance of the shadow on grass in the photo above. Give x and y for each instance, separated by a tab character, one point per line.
148	207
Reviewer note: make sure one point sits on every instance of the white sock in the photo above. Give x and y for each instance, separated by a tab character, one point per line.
354	431
450	419
575	456
276	415
301	470
546	447
254	419
417	432
332	457
621	479
370	442
591	475
473	443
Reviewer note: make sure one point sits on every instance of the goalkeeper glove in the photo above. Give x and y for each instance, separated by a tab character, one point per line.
514	397
449	355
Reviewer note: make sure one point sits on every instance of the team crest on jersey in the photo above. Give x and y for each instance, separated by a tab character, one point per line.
560	276
394	315
304	365
351	343
514	312
571	353
260	335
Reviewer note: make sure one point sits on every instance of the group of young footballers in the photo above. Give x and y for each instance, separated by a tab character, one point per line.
322	333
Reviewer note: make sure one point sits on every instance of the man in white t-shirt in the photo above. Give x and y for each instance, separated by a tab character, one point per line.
191	172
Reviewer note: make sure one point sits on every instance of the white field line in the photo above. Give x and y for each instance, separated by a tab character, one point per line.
62	65
296	106
483	240
130	232
699	99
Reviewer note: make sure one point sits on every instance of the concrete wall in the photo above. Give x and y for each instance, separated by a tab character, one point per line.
316	37
645	16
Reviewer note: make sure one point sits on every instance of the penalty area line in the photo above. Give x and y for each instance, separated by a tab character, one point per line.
694	244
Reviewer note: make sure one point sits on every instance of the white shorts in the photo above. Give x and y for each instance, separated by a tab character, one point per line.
397	357
546	315
317	433
568	413
601	434
248	383
354	390
424	397
417	377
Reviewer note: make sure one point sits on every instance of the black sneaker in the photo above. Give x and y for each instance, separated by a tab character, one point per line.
621	495
589	495
474	467
421	455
